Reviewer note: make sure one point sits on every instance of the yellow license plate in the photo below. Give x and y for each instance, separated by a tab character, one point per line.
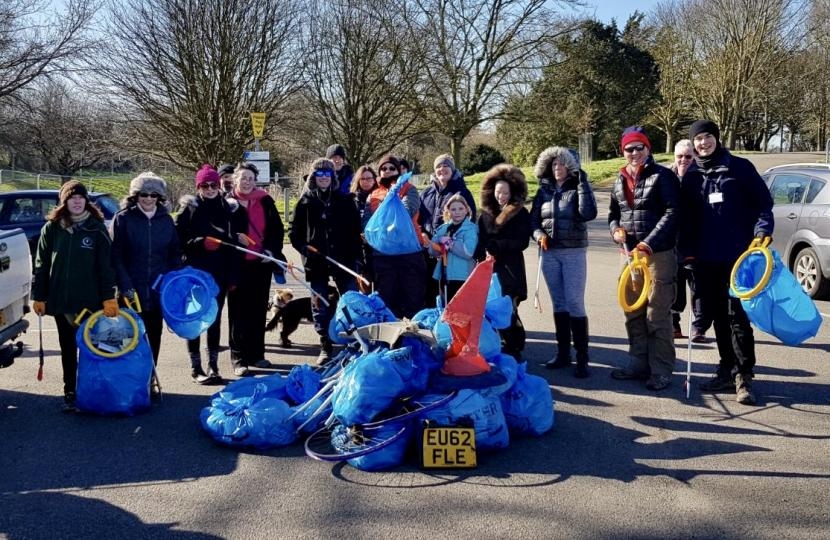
449	447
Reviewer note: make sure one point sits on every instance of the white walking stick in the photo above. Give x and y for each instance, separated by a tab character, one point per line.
689	360
536	303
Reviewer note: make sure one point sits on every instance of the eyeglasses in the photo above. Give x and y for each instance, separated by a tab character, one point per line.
389	168
635	148
208	185
367	178
686	156
153	194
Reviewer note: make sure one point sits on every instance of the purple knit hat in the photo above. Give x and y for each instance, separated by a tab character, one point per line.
207	174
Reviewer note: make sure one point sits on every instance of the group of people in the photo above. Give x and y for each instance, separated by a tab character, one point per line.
690	223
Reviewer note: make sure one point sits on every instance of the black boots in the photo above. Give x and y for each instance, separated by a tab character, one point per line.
579	327
562	321
213	366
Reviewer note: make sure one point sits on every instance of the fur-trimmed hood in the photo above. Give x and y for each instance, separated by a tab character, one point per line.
515	178
321	164
544	163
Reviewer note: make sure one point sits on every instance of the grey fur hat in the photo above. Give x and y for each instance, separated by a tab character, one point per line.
322	164
148	182
544	164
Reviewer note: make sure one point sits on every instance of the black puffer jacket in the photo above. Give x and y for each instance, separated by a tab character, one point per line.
329	221
653	218
433	199
143	249
562	214
199	217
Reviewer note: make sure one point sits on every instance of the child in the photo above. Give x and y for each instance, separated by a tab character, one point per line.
454	243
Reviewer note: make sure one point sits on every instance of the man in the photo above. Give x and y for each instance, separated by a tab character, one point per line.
226	178
337	154
725	205
643	217
445	182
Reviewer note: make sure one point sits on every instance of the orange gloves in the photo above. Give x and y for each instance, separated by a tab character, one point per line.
543	242
619	235
110	307
212	244
39	307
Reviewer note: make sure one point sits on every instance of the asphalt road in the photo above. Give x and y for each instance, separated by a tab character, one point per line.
620	462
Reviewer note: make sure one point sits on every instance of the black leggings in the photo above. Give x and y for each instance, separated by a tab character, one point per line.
69	352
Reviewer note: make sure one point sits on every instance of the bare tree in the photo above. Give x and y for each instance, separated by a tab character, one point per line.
62	127
474	51
188	72
37	41
363	78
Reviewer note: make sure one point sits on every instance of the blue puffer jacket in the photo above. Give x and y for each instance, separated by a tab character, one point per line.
433	199
460	262
563	216
143	249
725	206
653	218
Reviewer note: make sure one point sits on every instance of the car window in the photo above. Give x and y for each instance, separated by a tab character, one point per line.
789	188
815	188
108	205
28	209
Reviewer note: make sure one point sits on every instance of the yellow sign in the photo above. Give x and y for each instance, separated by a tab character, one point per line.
258	123
449	447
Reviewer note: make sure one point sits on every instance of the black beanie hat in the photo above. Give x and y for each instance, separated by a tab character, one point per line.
73	187
704	126
335	150
225	168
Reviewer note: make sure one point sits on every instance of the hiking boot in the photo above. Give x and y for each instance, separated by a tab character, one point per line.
658	382
718	383
198	375
581	371
263	364
241	371
699	337
69	403
743	387
559	362
629	375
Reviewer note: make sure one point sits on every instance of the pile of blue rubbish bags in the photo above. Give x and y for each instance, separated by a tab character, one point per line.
277	410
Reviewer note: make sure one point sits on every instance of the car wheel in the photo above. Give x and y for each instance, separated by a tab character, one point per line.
807	270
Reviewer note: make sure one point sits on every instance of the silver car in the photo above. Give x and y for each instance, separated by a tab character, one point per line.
801	206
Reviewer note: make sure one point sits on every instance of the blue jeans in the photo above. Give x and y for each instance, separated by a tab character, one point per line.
566	273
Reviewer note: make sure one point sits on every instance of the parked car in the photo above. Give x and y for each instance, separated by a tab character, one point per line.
801	206
15	285
27	210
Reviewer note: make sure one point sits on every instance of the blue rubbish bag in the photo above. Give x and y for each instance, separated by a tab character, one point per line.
387	457
782	308
390	230
302	383
254	421
484	412
275	387
363	310
528	405
115	365
188	301
305	414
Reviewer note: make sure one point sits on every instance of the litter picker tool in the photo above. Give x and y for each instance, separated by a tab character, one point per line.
40	339
688	382
287	267
339	265
536	303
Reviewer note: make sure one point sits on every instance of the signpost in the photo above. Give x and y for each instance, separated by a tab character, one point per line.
261	159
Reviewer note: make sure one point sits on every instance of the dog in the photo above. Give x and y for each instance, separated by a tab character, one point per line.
284	307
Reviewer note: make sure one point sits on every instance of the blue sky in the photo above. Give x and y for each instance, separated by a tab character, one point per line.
605	10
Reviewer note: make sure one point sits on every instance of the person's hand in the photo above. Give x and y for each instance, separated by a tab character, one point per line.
543	242
619	235
110	307
762	239
245	240
447	242
39	307
211	243
643	249
688	264
129	294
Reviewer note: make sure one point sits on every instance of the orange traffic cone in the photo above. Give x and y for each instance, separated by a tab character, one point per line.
464	314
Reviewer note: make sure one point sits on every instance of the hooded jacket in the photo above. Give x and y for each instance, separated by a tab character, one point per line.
434	198
460	262
505	232
562	213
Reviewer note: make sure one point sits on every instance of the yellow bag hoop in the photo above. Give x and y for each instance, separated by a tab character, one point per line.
130	347
639	264
755	246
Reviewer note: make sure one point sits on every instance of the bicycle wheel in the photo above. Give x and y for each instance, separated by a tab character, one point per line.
340	443
411	408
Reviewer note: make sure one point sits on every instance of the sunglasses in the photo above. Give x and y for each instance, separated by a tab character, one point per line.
153	194
208	185
324	173
683	157
635	148
389	168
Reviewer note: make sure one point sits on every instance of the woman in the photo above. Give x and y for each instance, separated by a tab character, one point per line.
326	223
73	272
145	245
400	279
454	244
504	233
561	208
364	184
202	217
248	303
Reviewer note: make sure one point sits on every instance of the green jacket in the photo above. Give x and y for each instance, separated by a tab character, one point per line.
73	270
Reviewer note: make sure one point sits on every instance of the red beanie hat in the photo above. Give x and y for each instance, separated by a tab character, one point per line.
634	134
207	174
